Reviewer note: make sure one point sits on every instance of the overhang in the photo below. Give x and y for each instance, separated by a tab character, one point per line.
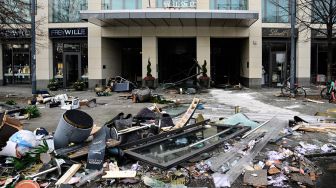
165	17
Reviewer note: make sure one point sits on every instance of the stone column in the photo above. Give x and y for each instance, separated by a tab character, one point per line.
254	65
303	58
203	52
149	50
43	49
95	66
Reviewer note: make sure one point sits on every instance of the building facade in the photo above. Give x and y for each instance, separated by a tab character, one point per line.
242	41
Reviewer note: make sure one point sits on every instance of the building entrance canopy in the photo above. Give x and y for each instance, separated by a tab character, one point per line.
153	18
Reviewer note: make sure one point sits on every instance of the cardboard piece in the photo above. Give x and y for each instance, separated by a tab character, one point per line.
120	174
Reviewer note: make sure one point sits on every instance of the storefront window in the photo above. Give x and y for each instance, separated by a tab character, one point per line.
176	3
121	4
16	63
275	66
228	4
65	11
70	61
20	10
275	11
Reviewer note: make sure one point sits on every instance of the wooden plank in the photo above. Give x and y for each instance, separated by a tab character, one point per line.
68	175
120	174
186	117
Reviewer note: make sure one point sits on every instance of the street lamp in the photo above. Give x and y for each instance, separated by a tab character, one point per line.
33	45
293	48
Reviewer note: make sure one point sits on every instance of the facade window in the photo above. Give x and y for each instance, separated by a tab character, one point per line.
320	11
66	11
275	11
18	11
121	4
228	4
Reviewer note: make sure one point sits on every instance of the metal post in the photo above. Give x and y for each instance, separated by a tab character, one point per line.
293	48
33	47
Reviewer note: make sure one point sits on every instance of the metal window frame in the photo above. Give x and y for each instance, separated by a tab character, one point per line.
166	165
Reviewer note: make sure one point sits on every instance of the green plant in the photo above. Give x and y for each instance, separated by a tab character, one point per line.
79	85
32	111
149	71
30	158
53	85
11	102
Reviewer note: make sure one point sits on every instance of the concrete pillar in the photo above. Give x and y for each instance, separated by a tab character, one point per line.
203	4
43	49
303	58
95	66
150	50
254	65
1	66
203	51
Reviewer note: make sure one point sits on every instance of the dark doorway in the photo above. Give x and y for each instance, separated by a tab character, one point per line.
226	57
177	59
72	68
131	58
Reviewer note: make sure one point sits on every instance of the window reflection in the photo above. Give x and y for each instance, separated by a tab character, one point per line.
121	4
65	11
20	10
228	4
275	11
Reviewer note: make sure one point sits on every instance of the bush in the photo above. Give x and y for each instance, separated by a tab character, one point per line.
11	102
32	111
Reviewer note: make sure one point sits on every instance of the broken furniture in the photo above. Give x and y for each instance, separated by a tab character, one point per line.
121	84
74	126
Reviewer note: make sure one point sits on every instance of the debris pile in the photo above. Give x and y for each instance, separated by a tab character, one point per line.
154	149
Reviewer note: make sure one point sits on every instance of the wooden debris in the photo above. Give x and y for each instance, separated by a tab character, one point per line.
186	117
314	101
68	175
120	174
273	170
257	178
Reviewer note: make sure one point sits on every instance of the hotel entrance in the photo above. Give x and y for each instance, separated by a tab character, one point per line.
177	59
226	58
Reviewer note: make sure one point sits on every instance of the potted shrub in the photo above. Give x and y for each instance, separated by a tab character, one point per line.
79	85
53	85
204	79
149	79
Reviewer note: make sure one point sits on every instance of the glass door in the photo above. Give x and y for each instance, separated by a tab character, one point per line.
278	68
72	71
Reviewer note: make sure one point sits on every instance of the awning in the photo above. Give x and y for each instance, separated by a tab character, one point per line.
165	17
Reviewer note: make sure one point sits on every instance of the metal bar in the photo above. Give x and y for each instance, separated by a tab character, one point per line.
252	131
293	50
162	135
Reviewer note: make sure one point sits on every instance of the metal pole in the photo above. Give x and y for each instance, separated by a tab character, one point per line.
33	47
293	48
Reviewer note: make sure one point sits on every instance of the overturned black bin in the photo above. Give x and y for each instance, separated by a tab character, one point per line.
74	126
